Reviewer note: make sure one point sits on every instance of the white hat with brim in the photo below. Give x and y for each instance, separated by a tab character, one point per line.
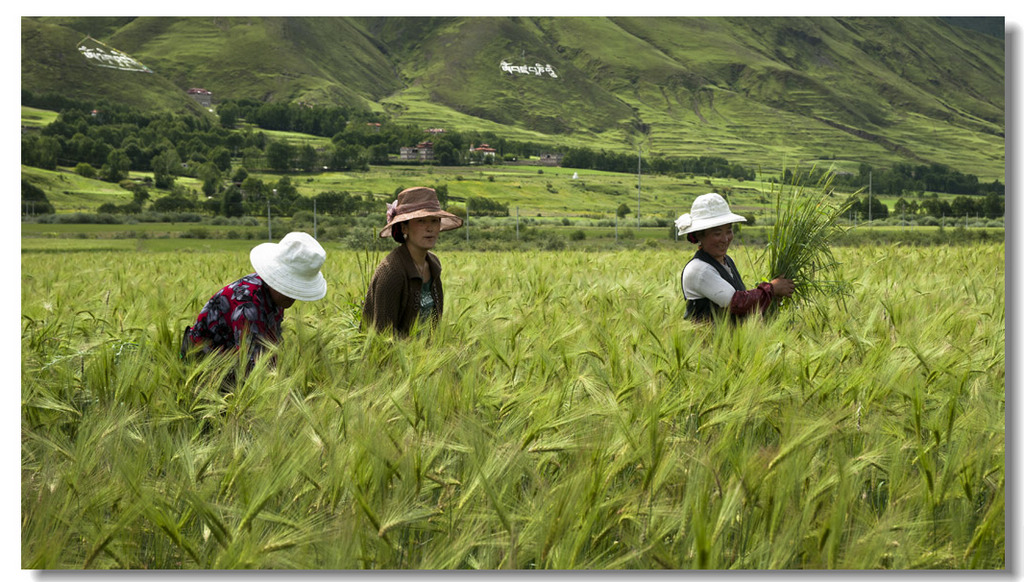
707	211
292	266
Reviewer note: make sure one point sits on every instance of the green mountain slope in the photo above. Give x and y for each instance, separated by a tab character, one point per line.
273	59
51	62
755	90
911	89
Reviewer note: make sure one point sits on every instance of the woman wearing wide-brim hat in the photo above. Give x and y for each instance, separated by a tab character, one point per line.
406	287
253	306
711	283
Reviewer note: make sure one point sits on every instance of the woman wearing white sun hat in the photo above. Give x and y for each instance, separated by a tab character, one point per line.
254	305
711	283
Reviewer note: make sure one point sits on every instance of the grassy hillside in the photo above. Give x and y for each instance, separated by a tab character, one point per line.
754	90
273	59
51	63
37	118
760	91
69	192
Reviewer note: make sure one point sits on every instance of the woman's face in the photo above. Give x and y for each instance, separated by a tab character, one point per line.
715	241
281	300
422	232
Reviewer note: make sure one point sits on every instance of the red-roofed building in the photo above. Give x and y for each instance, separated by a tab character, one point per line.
202	96
484	149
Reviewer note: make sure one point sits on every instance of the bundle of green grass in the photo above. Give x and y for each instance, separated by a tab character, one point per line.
800	241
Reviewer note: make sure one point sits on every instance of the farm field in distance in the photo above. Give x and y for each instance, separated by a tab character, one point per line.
548	192
548	209
563	416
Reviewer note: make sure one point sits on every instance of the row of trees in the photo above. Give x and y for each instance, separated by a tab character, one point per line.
714	166
109	141
902	178
319	120
251	197
991	205
363	128
481	206
175	145
865	207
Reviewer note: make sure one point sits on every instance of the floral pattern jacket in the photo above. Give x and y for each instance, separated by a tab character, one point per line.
244	307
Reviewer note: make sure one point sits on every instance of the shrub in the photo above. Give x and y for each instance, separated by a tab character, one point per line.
34	200
553	243
196	232
85	170
302	218
481	206
172	203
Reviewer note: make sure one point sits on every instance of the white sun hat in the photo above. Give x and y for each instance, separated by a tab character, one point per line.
292	267
707	211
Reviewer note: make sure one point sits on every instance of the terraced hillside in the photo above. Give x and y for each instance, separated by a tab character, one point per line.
755	90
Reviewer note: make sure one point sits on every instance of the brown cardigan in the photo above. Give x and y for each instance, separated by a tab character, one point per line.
393	299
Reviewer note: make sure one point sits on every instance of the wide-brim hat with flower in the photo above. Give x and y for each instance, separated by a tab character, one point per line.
418	203
707	211
292	266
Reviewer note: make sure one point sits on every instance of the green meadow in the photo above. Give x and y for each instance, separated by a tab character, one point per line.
532	191
563	416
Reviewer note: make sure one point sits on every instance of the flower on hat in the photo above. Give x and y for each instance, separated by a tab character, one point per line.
708	211
683	222
415	203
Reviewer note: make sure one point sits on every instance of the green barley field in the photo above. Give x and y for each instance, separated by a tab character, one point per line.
563	416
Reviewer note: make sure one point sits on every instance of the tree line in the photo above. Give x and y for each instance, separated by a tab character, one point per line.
902	179
107	140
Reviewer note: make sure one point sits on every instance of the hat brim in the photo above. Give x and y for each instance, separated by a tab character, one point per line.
284	280
706	223
448	220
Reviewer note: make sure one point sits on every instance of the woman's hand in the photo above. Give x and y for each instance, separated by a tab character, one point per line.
783	287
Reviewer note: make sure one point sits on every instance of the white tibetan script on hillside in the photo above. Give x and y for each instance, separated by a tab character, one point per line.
535	69
101	55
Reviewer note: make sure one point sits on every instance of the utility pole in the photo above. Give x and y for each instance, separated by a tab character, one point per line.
270	236
638	185
869	198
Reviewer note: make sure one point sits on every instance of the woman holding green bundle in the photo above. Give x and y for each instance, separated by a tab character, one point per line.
406	287
711	283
